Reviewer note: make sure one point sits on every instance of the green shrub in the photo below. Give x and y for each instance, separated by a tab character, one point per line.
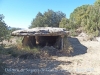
73	33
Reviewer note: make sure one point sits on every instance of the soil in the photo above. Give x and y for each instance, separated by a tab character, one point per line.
84	61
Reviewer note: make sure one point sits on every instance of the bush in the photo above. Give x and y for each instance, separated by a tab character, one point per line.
26	52
68	49
73	33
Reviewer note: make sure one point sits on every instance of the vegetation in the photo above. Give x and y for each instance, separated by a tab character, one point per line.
3	29
47	19
88	18
85	17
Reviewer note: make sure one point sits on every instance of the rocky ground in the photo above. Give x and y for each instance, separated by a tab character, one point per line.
84	61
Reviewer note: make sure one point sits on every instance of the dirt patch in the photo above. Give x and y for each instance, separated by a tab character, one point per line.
86	63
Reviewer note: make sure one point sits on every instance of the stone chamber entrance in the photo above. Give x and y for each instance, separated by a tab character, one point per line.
41	41
51	39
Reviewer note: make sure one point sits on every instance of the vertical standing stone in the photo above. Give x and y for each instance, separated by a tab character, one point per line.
62	43
25	41
37	39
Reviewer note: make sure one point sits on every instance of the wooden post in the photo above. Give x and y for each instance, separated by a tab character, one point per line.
62	43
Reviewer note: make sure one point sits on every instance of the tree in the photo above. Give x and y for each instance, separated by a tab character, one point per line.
97	3
87	17
79	14
47	19
3	29
64	23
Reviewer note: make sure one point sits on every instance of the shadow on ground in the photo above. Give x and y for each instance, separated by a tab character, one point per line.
34	66
77	46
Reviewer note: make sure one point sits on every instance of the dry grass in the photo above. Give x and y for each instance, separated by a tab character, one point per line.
67	49
17	50
83	64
